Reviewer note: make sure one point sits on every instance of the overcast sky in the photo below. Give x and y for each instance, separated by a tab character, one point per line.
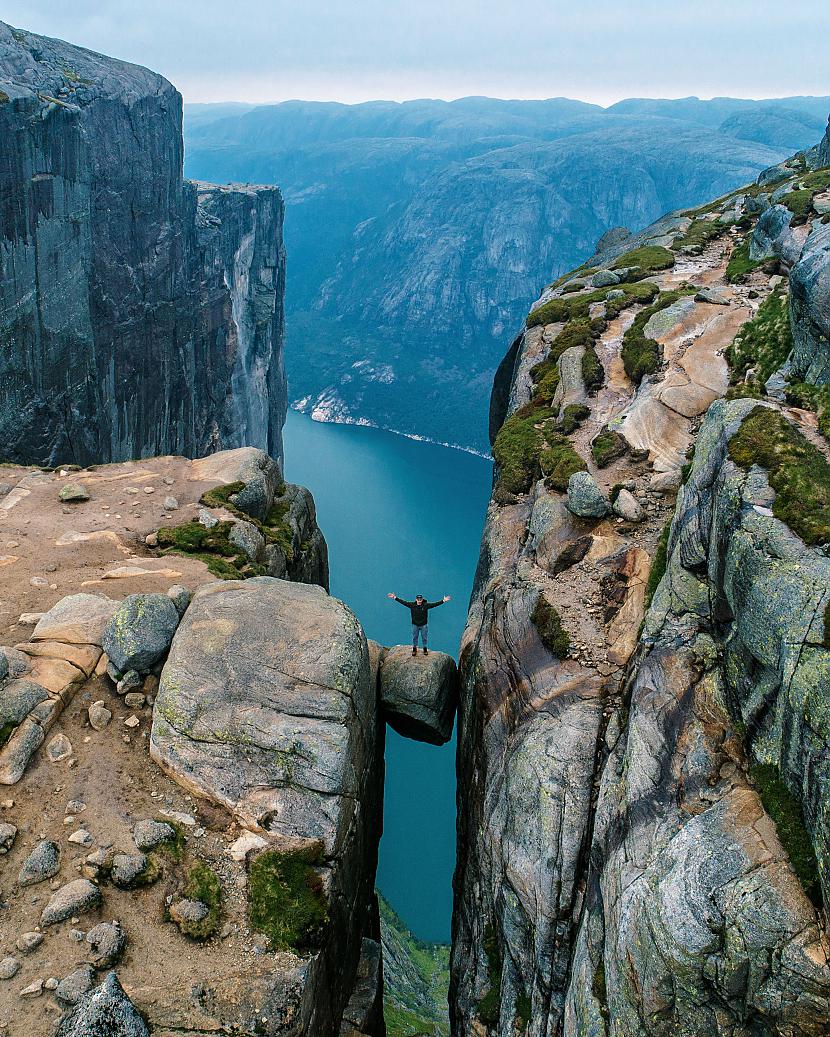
354	50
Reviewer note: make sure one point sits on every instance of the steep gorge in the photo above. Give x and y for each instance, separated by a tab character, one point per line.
642	729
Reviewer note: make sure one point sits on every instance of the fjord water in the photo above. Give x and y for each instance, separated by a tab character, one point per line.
404	516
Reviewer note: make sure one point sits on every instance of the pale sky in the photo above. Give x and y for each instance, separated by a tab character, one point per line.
356	50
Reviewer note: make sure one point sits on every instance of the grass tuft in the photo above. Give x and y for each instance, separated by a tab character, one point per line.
563	310
607	447
593	374
202	884
658	564
641	355
286	898
648	259
740	265
518	446
572	417
559	461
812	397
699	234
549	627
763	343
797	471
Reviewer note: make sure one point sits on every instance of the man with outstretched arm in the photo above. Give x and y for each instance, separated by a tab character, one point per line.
419	610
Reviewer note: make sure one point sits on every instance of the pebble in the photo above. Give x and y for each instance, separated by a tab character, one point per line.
74	898
9	967
132	721
152	540
171	504
148	834
8	833
99	715
77	935
42	863
107	941
149	489
33	990
82	837
128	869
134	699
131	489
182	818
27	942
59	748
129	681
39	581
184	911
75	806
51	983
168	480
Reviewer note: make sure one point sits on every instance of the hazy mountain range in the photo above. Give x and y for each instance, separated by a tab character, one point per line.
419	233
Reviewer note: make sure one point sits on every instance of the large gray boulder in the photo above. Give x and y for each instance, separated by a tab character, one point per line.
419	694
585	498
773	237
810	309
140	632
105	1011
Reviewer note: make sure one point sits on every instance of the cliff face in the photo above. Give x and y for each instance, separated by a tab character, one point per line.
642	732
133	320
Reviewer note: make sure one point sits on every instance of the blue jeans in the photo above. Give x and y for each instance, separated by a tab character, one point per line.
419	630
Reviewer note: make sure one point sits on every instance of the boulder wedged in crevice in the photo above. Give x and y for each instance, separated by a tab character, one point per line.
418	693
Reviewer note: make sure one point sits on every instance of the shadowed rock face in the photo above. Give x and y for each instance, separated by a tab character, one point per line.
138	318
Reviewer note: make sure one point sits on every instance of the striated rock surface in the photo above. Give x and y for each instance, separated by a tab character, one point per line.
142	314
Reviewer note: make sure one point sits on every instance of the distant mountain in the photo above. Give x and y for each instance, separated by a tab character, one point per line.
419	233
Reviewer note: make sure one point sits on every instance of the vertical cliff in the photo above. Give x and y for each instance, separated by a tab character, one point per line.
133	320
642	747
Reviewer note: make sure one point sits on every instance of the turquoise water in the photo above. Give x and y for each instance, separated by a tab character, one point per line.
401	516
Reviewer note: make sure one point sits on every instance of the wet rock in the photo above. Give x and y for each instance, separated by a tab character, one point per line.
71	988
419	693
73	493
140	632
107	941
8	834
74	898
149	834
585	498
104	1011
43	863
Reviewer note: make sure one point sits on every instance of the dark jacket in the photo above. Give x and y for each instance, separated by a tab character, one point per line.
419	612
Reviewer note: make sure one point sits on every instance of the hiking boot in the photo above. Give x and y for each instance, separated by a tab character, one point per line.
414	651
426	651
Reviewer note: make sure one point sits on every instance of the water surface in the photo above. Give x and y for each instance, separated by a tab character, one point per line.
402	516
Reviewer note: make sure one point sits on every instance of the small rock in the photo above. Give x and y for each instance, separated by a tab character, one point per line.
82	838
75	806
713	296
171	504
188	912
8	833
148	834
585	498
51	983
59	748
605	279
132	721
30	619
28	942
71	988
107	941
77	935
132	490
152	540
130	680
73	493
207	519
181	817
241	847
129	869
134	700
168	480
42	863
9	967
180	596
74	898
38	581
140	632
628	507
33	990
248	539
99	715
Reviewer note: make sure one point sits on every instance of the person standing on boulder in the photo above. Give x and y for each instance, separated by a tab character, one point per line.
419	610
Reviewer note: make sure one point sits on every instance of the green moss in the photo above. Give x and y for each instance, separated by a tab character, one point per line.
658	564
641	355
763	343
699	234
648	259
797	471
799	203
593	374
549	627
273	527
173	847
286	899
211	546
577	332
4	97
220	496
740	265
203	884
812	397
563	310
524	1010
6	732
518	446
489	1007
785	811
607	447
573	287
572	417
559	461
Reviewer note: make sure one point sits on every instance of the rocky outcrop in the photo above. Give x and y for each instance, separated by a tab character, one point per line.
641	760
418	694
266	707
141	315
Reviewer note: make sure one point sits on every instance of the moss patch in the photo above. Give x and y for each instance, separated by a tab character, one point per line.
559	461
763	343
607	447
572	417
577	332
6	732
4	97
797	471
549	627
699	234
649	259
740	265
563	310
815	398
785	811
593	374
286	899
273	527
658	564
518	446
489	1007
212	546
641	355
202	884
